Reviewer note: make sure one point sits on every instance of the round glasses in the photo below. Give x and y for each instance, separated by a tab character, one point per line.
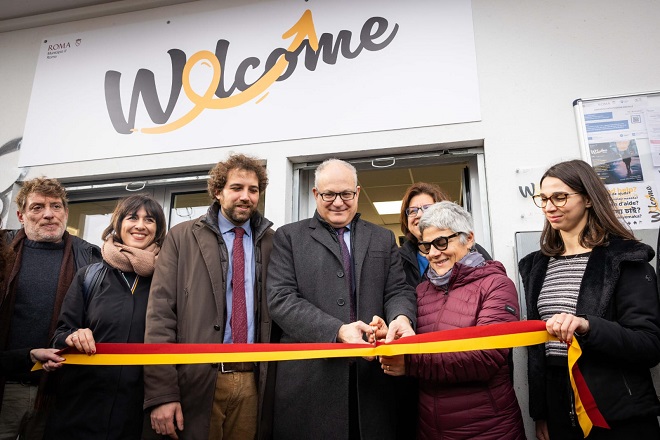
414	210
558	199
440	243
332	196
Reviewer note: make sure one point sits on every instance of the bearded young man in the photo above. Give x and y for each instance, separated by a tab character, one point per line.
47	258
209	287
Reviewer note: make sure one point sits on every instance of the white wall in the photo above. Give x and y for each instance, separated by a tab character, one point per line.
534	59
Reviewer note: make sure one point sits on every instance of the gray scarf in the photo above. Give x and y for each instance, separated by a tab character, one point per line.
472	259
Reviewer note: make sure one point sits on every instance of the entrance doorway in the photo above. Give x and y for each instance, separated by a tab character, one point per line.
459	173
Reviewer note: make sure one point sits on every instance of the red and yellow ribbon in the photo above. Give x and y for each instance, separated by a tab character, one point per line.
495	336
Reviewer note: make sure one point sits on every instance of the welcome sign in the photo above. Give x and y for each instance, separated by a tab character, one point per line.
243	74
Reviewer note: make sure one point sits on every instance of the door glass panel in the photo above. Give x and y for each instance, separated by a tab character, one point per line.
459	173
89	219
390	184
188	206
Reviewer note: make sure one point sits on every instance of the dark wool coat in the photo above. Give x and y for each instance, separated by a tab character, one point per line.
15	361
619	297
77	254
187	305
102	401
308	299
467	394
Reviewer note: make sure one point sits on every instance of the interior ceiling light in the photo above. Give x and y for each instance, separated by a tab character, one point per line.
384	208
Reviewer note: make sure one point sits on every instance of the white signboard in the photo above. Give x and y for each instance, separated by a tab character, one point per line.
240	73
622	136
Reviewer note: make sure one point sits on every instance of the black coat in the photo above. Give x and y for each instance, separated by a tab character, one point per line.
619	297
101	402
84	253
307	297
15	361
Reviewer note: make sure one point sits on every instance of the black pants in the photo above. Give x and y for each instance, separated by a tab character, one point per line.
563	424
353	410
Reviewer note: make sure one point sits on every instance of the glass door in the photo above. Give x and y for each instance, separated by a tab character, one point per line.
384	181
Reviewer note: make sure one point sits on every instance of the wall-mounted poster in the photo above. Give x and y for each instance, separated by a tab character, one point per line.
616	162
620	137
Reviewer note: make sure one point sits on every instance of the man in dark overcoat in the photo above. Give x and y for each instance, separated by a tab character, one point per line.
328	277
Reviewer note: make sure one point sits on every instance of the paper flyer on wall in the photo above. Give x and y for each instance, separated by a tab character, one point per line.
624	147
653	130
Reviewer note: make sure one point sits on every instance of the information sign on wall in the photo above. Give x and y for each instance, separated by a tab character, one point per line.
621	138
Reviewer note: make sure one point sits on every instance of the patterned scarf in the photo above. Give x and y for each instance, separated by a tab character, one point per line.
130	259
472	259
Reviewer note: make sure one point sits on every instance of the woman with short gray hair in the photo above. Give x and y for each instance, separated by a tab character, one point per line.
468	394
448	215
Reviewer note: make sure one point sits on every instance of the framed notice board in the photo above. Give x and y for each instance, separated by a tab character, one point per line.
620	137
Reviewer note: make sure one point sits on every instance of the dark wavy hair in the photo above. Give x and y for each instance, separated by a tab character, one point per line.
218	175
44	186
131	205
416	189
602	220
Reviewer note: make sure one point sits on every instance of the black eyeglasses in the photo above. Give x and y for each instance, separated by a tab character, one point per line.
558	199
413	210
440	243
332	196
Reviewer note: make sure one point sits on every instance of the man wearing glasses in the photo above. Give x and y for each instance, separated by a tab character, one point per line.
328	276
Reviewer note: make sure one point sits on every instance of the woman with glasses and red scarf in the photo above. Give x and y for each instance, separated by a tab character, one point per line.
591	280
469	394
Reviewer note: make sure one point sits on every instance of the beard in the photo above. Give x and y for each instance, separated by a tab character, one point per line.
238	217
42	234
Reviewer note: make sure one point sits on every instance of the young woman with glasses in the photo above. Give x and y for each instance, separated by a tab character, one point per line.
591	280
468	394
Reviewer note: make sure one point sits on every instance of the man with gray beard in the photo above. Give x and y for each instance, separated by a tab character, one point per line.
47	258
